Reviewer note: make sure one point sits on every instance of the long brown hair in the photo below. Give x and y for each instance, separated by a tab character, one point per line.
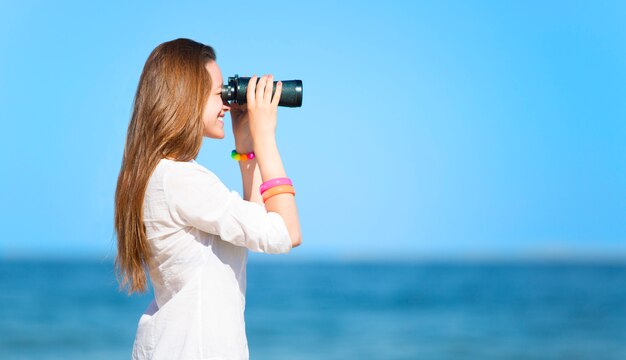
166	122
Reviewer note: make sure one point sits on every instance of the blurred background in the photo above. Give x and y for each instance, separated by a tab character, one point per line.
459	166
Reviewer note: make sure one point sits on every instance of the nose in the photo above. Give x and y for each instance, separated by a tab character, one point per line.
226	105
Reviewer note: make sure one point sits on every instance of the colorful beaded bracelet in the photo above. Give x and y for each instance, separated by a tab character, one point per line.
241	157
274	182
282	189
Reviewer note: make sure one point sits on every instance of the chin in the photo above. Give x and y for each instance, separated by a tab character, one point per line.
215	136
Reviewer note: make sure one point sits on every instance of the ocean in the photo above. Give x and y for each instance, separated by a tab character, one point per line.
340	310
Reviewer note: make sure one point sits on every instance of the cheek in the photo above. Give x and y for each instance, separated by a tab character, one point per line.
216	106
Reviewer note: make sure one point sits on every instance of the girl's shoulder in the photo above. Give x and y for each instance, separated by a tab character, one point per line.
187	167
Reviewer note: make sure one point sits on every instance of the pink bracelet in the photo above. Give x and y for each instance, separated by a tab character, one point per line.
274	182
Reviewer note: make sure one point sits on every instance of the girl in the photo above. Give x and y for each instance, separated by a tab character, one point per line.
178	221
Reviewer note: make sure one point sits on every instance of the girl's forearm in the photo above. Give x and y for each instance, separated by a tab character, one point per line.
271	166
251	178
250	174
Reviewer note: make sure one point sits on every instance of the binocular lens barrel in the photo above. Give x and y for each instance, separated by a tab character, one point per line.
235	90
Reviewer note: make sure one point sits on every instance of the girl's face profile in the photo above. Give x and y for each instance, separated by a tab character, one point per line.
215	107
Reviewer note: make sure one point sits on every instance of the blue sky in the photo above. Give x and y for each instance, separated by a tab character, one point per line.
428	129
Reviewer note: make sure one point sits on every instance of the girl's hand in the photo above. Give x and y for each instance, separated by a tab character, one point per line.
241	127
262	107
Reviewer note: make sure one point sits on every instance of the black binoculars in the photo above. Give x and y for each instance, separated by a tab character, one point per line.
235	90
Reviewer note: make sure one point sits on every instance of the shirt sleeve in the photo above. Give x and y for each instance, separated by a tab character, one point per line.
198	198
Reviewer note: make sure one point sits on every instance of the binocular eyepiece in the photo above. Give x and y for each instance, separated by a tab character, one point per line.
235	90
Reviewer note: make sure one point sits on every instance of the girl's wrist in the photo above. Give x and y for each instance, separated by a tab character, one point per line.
244	144
244	149
264	141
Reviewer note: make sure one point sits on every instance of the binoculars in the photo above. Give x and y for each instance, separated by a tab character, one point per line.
235	90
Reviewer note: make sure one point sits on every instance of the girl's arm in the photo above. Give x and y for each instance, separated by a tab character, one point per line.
259	125
250	172
252	179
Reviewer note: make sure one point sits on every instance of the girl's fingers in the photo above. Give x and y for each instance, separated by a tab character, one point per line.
251	88
279	90
268	89
260	88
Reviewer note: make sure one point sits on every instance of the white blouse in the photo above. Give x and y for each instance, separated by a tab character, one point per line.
200	233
